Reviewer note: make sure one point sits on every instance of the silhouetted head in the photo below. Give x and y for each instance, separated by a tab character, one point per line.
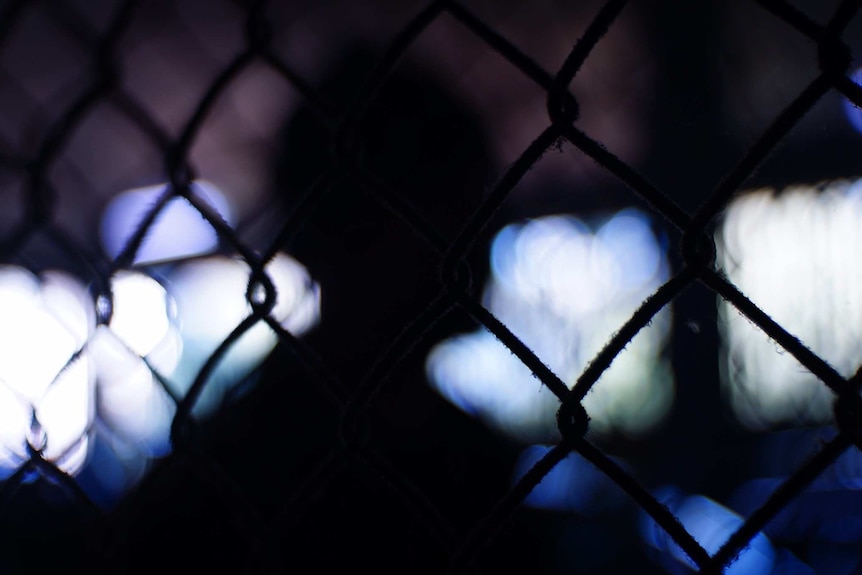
414	142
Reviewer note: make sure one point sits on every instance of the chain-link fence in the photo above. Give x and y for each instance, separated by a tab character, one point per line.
340	171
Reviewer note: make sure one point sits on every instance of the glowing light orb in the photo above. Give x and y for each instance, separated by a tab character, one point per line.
854	114
794	255
564	287
211	302
179	231
46	393
65	381
573	485
711	524
140	337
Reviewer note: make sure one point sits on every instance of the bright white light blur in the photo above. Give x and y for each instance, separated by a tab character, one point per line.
297	305
564	288
140	311
144	320
73	459
711	524
55	363
211	302
179	231
34	345
794	254
65	411
66	383
131	401
44	398
69	303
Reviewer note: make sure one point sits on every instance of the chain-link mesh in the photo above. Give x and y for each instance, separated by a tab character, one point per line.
332	457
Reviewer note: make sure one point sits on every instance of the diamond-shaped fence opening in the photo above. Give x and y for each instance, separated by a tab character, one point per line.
446	287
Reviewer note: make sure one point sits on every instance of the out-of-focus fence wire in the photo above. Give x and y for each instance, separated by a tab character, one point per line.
49	123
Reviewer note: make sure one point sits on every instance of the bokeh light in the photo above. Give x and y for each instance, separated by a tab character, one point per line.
211	302
70	388
46	388
793	254
822	523
65	381
132	402
141	339
564	286
574	485
829	510
710	524
179	231
143	318
854	114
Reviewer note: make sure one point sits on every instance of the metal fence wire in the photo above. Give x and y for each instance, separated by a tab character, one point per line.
334	458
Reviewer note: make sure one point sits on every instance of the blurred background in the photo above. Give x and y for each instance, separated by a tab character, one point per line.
227	336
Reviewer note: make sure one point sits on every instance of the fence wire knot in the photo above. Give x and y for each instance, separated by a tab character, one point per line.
573	422
698	250
351	158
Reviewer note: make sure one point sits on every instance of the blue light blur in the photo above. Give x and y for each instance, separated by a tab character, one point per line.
113	467
829	510
711	524
786	563
854	114
180	231
629	235
573	485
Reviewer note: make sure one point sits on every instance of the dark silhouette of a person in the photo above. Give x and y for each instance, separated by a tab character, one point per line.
424	464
